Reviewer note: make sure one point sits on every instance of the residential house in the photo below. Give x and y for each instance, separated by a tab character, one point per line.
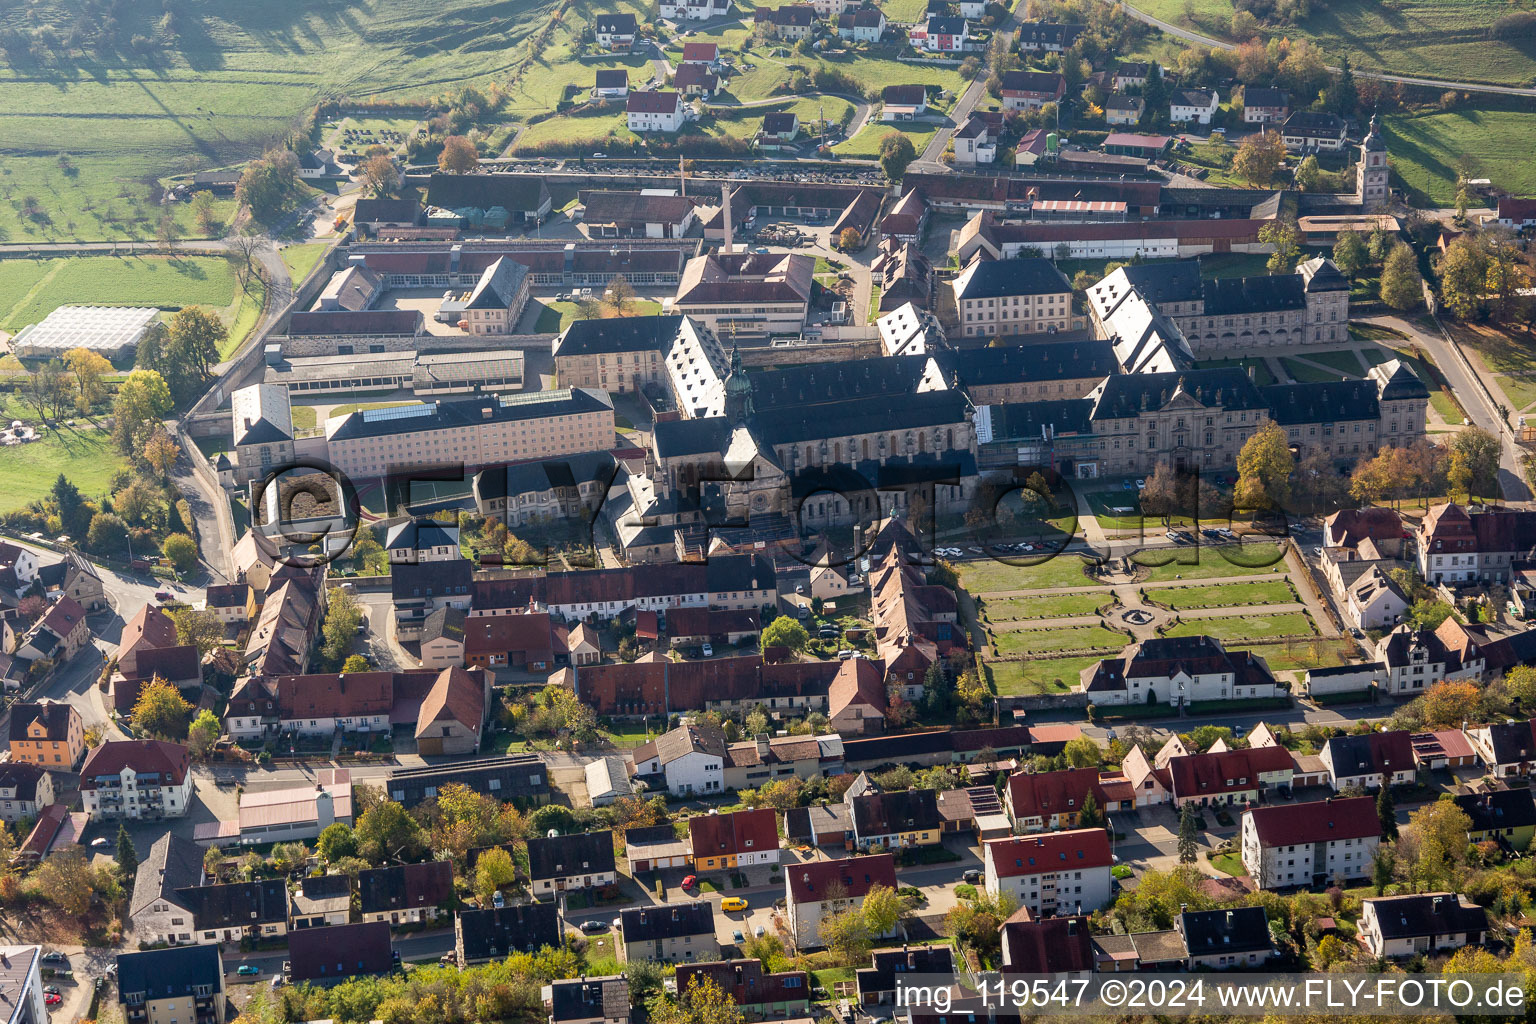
324	956
694	10
687	760
584	1000
1178	671
688	627
790	23
1455	546
1124	110
680	933
320	901
717	289
1130	73
171	986
25	789
561	863
614	31
1027	295
820	825
417	591
695	80
863	24
780	128
453	713
1370	761
149	647
320	163
156	909
1358	679
903	102
1067	872
896	820
406	893
759	995
1193	105
422	540
611	84
72	577
1516	212
655	848
1059	946
1308	132
1046	37
518	779
1420	923
524	642
1507	748
1223	939
1226	777
1305	844
906	220
1031	90
974	143
58	636
442	638
635	214
1503	816
750	763
1443	748
281	641
1265	106
941	34
1140	951
1375	601
233	604
237	911
1418	659
856	701
132	779
724	842
876	984
495	933
49	733
701	53
817	889
1038	801
18	566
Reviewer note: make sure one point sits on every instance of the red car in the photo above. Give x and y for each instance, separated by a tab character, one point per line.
689	882
52	1000
163	595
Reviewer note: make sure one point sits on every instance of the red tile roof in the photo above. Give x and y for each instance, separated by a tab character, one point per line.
457	695
1230	771
1047	946
700	51
1050	851
855	876
717	835
1043	794
502	634
858	681
652	102
1316	821
143	756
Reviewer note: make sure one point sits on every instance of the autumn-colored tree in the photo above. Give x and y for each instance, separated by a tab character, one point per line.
1402	287
380	176
1435	841
848	239
68	881
161	451
883	909
161	711
462	819
1264	467
702	1003
1259	157
1463	276
620	296
181	551
386	831
494	870
459	155
1287	240
88	368
1350	253
1447	704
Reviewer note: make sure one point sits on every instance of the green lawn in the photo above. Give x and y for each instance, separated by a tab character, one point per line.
1233	264
28	471
1427	149
1226	595
1295	655
1214	563
1343	360
1003	609
1437	38
34	289
304	417
1229	864
1262	375
1049	675
301	259
866	144
1247	627
555	317
242	320
1306	373
988	576
1070	638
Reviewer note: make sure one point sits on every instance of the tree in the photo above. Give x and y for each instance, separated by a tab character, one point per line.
1446	704
343	614
1089	815
849	239
355	663
1386	813
494	871
142	401
161	451
167	231
335	842
161	711
846	934
1350	253
386	831
1401	285
896	153
1286	238
127	856
267	185
620	296
380	176
288	857
785	632
1308	174
1264	468
1082	752
1259	157
68	881
1188	835
1436	838
205	213
107	533
1479	452
703	1003
883	909
181	551
459	156
462	819
1346	99
193	339
1383	864
1428	613
47	390
1155	92
203	733
88	368
978	922
1464	276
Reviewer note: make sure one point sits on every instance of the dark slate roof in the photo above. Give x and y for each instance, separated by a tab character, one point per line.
1424	914
878	814
1191	98
1239	296
1261	96
537	477
1238	930
1328	401
1045	361
516	777
1505	808
588	998
1512	742
405	886
886	964
581	853
855	416
421	533
612	78
624	334
691	437
499	931
168	973
430	579
55	715
1227	387
1374	753
614	24
1175	281
446	623
340	951
236	904
1031	81
172	864
1402	382
647	924
1029	275
371	210
23	776
467	412
356	322
777	122
515	192
1016	421
1305	122
946	26
1045	33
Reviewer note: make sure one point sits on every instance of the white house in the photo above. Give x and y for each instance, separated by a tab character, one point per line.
19	562
654	111
1375	601
583	860
136	779
25	789
1224	939
1366	762
1051	873
1418	659
818	889
1297	845
1321	682
690	758
614	31
422	540
694	10
1193	105
974	143
1178	670
1425	922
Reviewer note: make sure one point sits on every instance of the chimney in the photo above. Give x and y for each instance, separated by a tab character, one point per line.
725	211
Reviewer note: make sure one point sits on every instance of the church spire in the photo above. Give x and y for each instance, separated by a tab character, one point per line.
738	390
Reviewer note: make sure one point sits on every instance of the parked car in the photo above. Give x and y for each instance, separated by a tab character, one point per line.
55	958
708	650
247	969
594	926
52	1000
737	937
689	881
163	595
498	900
733	903
972	876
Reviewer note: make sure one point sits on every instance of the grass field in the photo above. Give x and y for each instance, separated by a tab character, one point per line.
1068	638
1438	38
1004	609
301	259
1247	627
1229	864
1227	595
1428	149
1048	675
35	288
1344	360
866	144
987	576
557	316
1215	563
1315	653
28	471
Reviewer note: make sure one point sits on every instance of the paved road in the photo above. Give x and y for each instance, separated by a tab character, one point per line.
1434	83
928	159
